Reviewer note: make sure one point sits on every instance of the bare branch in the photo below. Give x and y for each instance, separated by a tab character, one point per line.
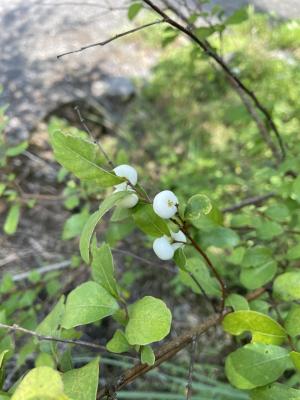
42	270
169	350
17	328
119	35
189	386
164	353
248	202
211	267
89	132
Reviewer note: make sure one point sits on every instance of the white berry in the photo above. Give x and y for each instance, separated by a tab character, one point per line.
163	248
178	237
129	201
128	172
165	204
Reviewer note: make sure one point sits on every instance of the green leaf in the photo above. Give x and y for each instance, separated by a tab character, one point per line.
287	286
88	303
44	360
292	322
263	328
296	189
253	278
120	214
256	256
204	32
294	253
74	225
168	36
119	231
133	10
237	17
277	391
237	302
200	272
221	237
295	357
2	188
16	150
79	156
12	219
42	383
82	383
147	355
50	324
149	321
148	222
197	206
261	306
267	230
3	357
118	343
255	365
103	269
179	258
236	256
4	396
210	221
94	219
278	212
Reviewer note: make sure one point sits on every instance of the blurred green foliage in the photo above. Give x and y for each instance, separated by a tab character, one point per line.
188	115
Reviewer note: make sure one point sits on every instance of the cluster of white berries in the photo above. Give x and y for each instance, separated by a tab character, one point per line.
165	206
130	173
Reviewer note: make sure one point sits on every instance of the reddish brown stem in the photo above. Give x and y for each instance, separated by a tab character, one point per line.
210	265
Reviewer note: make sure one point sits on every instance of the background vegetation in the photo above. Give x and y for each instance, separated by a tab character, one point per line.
187	131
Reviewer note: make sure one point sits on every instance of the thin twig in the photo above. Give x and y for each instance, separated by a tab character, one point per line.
108	159
248	202
42	270
202	291
89	132
119	35
210	265
166	352
17	328
145	260
189	386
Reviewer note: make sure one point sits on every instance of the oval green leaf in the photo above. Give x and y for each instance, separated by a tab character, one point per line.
263	328
197	206
12	219
94	219
277	391
148	222
287	286
88	303
82	383
41	383
78	156
147	355
292	321
295	357
103	269
118	343
256	277
256	365
149	321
